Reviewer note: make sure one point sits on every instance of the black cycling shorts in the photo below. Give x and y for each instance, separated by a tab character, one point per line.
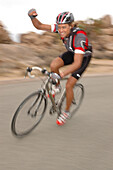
68	58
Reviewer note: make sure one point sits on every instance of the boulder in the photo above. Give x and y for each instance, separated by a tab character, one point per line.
107	31
104	54
4	35
34	39
98	54
106	21
16	57
106	42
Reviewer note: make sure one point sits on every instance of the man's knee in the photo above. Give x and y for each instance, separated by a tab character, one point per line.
56	64
70	83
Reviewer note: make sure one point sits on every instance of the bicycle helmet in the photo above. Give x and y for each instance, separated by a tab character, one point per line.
65	18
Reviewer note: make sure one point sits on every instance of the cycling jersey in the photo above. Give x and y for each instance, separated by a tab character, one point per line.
76	42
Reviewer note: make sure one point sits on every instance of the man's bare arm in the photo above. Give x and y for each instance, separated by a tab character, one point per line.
37	24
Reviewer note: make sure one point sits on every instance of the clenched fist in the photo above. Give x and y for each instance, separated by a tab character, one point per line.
32	13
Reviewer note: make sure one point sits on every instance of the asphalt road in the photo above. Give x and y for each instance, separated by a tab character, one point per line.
84	143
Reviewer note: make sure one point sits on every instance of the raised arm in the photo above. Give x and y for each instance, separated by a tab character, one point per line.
37	24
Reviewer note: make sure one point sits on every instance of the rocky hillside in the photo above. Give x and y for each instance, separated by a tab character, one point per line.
100	33
36	49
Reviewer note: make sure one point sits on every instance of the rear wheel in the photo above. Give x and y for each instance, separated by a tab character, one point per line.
29	114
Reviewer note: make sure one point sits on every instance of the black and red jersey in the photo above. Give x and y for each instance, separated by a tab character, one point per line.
77	41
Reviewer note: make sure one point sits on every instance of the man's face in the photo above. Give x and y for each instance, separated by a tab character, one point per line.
64	30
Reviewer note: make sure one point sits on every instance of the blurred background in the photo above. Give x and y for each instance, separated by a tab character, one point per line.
21	45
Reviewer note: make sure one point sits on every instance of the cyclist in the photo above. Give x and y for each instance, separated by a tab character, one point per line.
77	56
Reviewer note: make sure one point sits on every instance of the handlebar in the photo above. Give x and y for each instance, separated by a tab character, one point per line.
43	71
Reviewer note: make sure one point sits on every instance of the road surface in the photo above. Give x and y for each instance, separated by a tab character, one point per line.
84	143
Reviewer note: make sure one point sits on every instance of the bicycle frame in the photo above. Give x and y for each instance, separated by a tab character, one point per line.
52	99
46	87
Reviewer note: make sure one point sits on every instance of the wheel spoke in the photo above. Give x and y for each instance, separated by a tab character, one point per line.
34	102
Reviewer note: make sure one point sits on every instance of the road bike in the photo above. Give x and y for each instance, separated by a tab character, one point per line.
32	109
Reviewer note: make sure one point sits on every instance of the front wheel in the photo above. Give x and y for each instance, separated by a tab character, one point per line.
78	91
29	114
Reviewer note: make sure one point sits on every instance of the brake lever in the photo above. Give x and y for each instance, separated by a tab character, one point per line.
28	70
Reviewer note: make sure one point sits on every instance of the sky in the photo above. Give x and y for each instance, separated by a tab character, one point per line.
13	13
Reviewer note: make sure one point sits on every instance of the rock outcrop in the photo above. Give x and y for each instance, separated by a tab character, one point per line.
4	35
100	33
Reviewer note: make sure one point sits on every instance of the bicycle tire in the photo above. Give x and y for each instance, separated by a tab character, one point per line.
78	88
29	108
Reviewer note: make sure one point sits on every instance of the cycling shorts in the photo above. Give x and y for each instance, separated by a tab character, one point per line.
68	58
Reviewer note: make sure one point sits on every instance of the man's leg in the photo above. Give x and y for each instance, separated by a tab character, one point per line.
69	92
69	97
